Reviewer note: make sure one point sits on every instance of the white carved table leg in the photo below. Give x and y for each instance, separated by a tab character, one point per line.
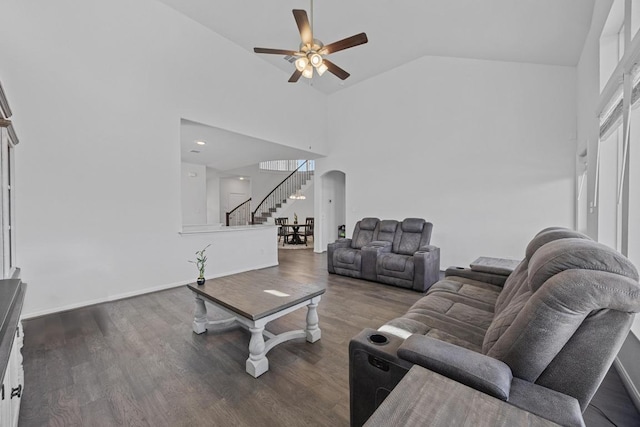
313	332
257	363
200	316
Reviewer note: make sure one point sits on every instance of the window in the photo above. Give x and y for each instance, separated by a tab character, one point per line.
617	191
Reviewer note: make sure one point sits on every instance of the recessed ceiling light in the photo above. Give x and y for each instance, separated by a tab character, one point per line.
201	143
241	178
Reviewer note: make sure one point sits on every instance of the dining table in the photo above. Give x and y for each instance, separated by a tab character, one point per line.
295	234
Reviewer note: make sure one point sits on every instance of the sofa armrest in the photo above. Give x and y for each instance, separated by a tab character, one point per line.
341	243
483	373
369	259
493	279
426	262
331	247
546	403
374	370
502	266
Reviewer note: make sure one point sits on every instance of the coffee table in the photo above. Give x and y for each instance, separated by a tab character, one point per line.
254	303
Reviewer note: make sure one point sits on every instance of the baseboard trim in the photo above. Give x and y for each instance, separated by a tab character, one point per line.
628	383
126	295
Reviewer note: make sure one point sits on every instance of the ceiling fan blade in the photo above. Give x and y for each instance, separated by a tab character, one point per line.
343	44
303	26
295	76
276	51
334	69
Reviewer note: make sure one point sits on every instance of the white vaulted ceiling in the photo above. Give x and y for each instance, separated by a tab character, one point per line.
548	32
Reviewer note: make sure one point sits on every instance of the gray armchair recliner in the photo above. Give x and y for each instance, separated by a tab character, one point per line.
541	338
388	251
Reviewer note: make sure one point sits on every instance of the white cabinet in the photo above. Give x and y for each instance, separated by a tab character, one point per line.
12	290
13	383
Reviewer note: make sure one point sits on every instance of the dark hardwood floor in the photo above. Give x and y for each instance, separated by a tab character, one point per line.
136	362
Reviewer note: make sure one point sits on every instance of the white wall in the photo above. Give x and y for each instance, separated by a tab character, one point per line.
483	149
262	182
193	192
213	197
98	89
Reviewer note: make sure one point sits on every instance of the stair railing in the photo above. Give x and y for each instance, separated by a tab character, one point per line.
290	185
240	214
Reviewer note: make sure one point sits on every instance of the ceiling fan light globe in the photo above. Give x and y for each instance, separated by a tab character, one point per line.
321	69
315	59
308	71
301	63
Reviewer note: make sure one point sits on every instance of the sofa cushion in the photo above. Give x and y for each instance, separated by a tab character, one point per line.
473	289
413	225
347	256
395	264
448	317
569	254
503	321
569	280
549	235
410	237
347	261
395	269
387	230
364	232
517	284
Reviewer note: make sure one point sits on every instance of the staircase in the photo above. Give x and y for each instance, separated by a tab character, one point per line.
296	183
240	215
269	217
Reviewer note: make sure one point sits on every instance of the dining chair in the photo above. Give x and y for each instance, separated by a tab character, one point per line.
280	222
308	230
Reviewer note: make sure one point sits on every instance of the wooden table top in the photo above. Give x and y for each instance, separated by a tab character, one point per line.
255	299
425	398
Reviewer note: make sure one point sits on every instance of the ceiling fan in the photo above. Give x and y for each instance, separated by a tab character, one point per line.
312	52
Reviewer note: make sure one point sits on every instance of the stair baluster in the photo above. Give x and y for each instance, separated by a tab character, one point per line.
279	195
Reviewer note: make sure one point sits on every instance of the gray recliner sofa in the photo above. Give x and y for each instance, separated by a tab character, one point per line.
541	338
388	251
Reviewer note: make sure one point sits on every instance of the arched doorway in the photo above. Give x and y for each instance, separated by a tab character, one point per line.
331	207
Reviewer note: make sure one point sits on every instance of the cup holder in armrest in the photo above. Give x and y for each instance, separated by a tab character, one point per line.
378	339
